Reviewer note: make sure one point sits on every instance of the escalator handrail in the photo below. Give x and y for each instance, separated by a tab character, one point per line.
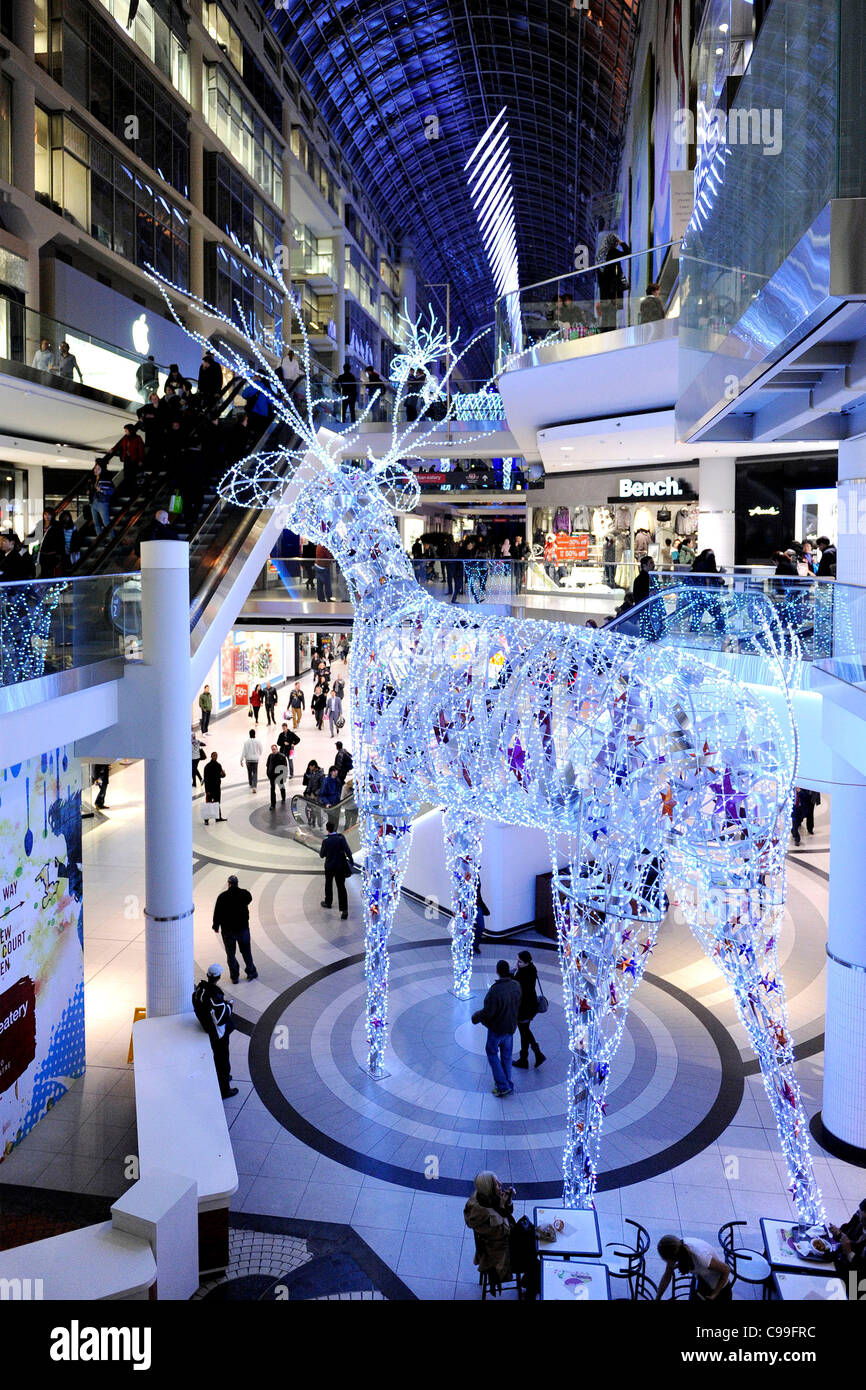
213	574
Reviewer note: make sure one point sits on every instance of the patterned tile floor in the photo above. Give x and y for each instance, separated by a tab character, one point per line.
690	1141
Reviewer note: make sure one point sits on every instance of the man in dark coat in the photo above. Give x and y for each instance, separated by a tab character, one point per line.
499	1013
212	778
339	863
231	917
277	769
214	1013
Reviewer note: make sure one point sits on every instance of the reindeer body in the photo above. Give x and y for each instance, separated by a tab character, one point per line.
645	766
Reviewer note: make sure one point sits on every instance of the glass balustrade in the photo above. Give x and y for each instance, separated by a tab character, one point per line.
53	625
608	294
101	365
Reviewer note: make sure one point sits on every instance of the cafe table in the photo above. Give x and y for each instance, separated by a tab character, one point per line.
568	1280
779	1237
579	1236
804	1287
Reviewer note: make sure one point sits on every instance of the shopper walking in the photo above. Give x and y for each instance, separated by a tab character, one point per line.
205	704
334	708
805	802
269	700
250	757
499	1014
297	703
52	547
277	770
339	864
214	1013
343	762
231	918
100	774
526	976
318	705
147	378
67	364
287	741
213	775
198	756
256	701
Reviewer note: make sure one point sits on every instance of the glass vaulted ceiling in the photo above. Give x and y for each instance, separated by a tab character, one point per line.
380	73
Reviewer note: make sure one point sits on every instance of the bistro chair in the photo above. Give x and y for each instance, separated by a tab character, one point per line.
493	1286
632	1259
644	1289
749	1266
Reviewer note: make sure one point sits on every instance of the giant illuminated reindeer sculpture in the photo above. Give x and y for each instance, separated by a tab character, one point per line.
652	771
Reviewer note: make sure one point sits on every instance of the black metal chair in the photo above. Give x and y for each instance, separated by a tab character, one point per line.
492	1285
644	1289
681	1285
749	1266
633	1258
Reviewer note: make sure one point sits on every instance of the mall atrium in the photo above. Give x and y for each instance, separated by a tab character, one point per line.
445	423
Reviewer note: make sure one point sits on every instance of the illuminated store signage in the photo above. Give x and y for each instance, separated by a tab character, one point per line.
667	487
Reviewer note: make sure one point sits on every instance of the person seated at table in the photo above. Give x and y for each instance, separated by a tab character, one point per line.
851	1235
712	1276
499	1253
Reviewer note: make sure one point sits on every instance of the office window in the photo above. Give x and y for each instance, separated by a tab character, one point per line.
234	120
78	176
239	293
238	210
161	34
221	29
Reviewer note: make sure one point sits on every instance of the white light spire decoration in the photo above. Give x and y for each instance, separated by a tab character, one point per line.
652	772
489	171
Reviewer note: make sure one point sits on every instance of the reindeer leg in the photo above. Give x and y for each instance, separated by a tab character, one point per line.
739	929
386	840
463	832
602	953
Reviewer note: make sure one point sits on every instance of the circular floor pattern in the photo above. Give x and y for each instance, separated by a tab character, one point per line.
676	1084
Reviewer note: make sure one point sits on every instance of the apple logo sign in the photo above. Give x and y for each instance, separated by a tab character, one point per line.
141	336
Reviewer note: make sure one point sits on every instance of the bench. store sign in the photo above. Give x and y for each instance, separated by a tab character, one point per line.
41	940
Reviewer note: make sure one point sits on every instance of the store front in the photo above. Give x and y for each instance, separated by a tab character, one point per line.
593	528
784	499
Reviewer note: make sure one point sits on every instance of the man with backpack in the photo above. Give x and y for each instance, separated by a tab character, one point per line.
214	1013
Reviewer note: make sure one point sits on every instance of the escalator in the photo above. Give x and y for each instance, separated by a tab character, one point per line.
223	538
310	820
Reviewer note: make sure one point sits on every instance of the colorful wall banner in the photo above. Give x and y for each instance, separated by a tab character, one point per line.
41	940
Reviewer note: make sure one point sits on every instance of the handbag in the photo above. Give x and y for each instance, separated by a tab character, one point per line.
340	722
175	504
541	999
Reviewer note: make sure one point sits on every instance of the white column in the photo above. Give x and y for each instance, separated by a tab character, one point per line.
844	1103
167	817
851	494
716	487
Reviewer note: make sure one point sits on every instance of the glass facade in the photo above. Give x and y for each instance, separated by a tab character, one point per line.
239	211
315	167
311	254
159	30
361	281
237	291
221	29
79	51
242	131
80	178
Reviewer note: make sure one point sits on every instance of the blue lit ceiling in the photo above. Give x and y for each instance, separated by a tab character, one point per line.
385	75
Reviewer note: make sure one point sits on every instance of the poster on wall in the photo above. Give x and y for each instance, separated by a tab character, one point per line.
247	659
41	940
